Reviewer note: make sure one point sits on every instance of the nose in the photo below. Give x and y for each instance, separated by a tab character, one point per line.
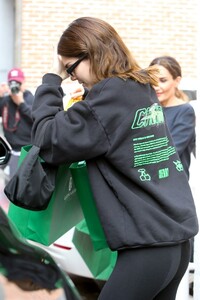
156	87
73	78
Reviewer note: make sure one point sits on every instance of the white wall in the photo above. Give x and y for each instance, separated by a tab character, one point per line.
6	37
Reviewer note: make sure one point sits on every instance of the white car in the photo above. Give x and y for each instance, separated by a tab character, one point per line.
67	256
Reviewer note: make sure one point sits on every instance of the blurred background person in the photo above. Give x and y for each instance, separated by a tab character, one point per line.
15	110
180	115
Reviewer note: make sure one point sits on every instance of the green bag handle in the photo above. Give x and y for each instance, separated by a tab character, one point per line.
25	149
81	180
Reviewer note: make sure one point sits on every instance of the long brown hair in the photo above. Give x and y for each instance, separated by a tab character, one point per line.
174	68
108	55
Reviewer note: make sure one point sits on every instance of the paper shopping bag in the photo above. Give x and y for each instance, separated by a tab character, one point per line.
81	180
63	212
100	262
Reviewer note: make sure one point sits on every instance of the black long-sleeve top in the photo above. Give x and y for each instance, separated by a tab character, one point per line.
17	120
181	122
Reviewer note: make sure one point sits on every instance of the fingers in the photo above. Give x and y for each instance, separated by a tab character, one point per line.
78	92
17	98
4	89
58	67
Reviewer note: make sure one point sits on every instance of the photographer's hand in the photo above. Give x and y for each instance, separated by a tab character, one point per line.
4	89
17	98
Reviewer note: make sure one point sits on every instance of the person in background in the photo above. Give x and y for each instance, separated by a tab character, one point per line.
180	115
139	186
15	110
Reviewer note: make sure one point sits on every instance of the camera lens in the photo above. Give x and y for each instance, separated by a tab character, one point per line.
14	90
14	87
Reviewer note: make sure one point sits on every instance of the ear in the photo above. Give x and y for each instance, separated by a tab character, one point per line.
178	80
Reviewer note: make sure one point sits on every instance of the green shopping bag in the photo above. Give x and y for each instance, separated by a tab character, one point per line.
100	262
63	212
84	192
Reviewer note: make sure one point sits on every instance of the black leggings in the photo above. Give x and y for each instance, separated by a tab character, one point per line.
147	273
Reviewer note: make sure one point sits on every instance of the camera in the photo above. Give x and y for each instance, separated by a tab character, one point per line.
14	86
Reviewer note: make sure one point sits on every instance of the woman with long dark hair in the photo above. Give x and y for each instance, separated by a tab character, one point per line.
179	113
140	189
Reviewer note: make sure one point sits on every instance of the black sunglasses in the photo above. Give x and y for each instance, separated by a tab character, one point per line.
71	69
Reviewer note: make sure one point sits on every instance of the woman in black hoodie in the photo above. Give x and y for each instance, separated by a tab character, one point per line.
140	188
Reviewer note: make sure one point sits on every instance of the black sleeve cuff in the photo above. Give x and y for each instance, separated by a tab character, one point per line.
51	78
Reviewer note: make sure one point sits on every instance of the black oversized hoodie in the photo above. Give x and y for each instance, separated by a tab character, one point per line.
140	188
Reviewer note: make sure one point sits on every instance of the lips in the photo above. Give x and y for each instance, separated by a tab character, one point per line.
159	94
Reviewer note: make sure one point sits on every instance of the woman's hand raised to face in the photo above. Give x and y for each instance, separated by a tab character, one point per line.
58	67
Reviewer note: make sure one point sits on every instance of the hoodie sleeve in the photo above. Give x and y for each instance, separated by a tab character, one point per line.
72	135
183	129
